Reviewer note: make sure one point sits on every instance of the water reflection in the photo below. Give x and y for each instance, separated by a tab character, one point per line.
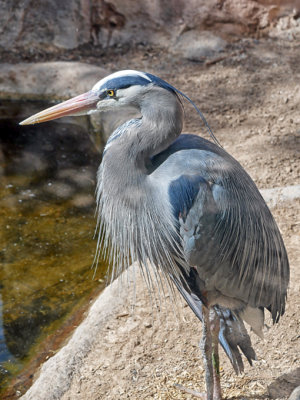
5	354
47	219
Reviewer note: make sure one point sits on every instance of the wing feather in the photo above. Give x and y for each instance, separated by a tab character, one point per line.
227	230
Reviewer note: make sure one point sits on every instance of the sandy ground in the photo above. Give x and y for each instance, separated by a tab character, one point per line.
251	99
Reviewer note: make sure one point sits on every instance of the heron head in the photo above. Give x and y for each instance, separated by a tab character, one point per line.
120	89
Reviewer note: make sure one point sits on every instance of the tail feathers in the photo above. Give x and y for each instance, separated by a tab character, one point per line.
233	335
255	318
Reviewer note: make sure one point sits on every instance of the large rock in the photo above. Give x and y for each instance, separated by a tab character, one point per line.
295	394
51	80
198	45
67	24
49	23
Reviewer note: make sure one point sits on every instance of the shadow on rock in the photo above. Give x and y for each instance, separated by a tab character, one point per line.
284	385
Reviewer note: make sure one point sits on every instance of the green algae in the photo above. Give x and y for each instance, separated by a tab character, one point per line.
47	249
47	245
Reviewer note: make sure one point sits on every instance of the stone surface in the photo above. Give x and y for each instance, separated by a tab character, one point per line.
281	194
295	394
286	386
56	24
47	23
51	80
56	374
197	45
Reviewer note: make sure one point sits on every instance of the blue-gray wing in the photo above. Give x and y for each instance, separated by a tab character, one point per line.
228	233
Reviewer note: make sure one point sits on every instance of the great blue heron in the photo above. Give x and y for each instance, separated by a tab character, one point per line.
184	206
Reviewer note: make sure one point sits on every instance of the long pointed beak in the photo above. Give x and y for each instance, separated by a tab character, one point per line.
76	106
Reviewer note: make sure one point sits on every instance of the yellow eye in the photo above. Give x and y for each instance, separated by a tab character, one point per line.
110	93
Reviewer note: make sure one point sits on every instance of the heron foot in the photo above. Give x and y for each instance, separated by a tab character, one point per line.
195	393
199	395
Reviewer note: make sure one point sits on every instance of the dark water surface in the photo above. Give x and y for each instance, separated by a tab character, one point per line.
47	183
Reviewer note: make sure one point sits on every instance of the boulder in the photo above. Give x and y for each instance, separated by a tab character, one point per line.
198	45
50	81
67	24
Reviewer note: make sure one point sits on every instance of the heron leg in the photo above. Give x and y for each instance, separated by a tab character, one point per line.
206	347
215	328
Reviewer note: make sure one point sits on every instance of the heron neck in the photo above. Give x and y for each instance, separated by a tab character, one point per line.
161	124
128	154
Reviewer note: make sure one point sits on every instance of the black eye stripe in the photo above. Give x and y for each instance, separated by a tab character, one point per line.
102	95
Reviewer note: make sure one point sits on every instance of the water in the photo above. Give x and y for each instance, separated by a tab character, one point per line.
46	245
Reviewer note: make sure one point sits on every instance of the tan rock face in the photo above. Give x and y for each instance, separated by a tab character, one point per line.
70	23
51	80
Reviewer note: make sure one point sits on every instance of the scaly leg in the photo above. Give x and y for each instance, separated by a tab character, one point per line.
206	347
215	328
210	350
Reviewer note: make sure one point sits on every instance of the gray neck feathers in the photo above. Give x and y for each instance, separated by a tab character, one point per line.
124	165
130	226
